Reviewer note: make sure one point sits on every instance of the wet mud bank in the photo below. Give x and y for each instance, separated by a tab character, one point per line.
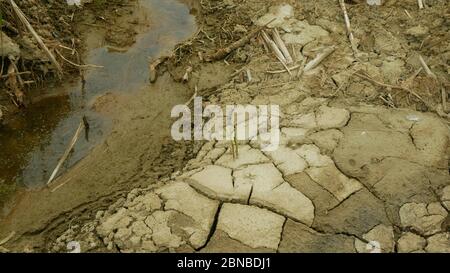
128	143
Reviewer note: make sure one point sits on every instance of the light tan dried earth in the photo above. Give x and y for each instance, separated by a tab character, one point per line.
333	198
357	178
346	178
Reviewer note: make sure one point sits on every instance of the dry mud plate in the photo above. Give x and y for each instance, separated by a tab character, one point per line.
363	160
317	193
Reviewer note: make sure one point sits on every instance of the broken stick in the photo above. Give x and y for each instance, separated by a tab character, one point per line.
319	59
349	28
67	152
223	52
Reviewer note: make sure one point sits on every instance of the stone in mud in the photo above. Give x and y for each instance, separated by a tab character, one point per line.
381	235
410	242
252	226
424	218
246	156
181	197
298	238
439	243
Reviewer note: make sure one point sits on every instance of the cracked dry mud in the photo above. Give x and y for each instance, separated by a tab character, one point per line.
318	193
347	177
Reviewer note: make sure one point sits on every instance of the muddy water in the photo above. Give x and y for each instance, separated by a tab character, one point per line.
32	144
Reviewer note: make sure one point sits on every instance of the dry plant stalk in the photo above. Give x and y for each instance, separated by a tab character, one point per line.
310	65
348	27
319	59
81	66
186	74
223	52
282	46
36	36
426	67
274	47
391	86
67	151
420	3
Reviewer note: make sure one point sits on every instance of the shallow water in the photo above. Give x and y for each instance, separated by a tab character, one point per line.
34	141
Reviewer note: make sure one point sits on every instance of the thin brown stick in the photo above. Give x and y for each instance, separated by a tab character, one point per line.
223	52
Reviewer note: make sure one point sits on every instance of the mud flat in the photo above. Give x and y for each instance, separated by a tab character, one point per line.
116	100
362	159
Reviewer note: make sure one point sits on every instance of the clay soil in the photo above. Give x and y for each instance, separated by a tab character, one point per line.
390	38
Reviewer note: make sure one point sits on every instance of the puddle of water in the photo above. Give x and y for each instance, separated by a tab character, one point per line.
32	144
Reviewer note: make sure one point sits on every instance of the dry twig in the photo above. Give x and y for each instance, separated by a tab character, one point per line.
223	52
349	28
67	152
